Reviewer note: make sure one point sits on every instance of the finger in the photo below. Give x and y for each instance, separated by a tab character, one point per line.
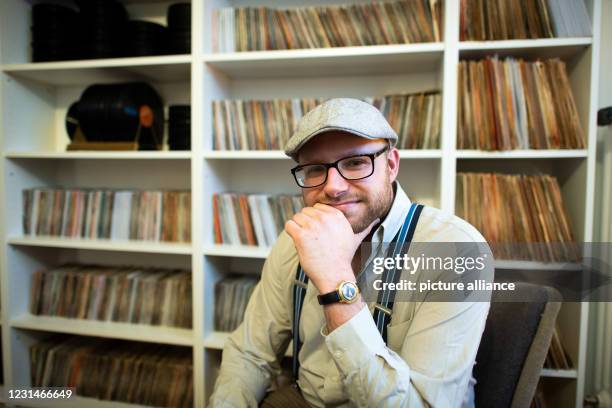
292	228
303	220
328	209
312	212
325	207
366	231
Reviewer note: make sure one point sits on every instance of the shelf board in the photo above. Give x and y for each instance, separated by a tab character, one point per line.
216	341
112	330
536	266
538	48
421	154
110	155
237	251
523	154
104	245
165	68
548	372
279	154
245	154
380	59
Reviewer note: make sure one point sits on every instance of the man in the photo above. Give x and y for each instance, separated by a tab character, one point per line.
352	198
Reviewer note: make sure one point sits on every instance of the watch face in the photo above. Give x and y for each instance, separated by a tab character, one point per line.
348	291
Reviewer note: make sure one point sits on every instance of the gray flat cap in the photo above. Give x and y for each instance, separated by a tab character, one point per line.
344	114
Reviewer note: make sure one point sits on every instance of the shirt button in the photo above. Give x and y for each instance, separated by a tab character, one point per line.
338	354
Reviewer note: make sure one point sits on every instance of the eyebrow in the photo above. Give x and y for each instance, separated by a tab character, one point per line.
355	152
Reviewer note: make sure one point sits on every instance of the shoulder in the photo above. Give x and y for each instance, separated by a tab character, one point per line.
436	225
283	258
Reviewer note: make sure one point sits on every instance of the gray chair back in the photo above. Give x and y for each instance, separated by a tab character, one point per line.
514	346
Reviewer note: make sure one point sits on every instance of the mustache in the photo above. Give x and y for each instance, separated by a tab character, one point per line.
339	200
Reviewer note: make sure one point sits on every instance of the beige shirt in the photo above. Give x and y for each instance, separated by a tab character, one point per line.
427	360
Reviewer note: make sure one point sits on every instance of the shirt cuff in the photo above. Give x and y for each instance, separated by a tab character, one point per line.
355	342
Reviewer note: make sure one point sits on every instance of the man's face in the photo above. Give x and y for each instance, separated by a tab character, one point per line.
361	201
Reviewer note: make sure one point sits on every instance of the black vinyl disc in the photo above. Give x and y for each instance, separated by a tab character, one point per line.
72	120
54	32
144	38
179	15
111	112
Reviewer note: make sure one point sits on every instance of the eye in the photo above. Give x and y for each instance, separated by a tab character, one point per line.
355	162
313	171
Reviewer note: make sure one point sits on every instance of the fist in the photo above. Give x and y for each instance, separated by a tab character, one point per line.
326	244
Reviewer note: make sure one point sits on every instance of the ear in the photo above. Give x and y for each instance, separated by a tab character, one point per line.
393	161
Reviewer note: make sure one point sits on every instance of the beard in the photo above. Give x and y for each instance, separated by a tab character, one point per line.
371	206
376	206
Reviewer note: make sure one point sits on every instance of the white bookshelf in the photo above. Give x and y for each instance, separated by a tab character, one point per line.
102	245
142	155
523	154
111	330
33	154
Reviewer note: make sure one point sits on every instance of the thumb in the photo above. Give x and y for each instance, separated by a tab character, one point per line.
366	231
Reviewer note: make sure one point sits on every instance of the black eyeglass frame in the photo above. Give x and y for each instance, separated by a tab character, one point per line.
328	166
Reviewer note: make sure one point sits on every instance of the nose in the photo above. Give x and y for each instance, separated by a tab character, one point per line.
336	184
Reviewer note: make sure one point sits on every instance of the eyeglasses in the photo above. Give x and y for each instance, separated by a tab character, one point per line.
350	168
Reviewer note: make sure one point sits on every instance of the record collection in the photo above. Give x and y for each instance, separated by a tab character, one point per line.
232	295
506	104
123	112
179	28
268	124
375	23
115	370
118	294
53	33
518	19
252	219
522	217
102	29
144	38
108	214
179	127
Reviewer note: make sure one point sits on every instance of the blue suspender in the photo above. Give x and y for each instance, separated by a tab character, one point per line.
299	292
384	306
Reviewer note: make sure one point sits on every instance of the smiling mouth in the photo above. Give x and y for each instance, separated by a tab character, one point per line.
343	203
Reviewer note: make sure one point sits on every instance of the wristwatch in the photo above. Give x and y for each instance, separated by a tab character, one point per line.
346	293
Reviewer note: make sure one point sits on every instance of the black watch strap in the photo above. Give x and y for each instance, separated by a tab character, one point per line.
329	298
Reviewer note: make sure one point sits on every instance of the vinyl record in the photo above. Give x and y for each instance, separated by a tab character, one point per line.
179	16
113	112
179	42
72	120
144	38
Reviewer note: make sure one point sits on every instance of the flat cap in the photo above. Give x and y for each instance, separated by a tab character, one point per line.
345	114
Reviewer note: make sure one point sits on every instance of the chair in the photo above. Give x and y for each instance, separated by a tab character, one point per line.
514	346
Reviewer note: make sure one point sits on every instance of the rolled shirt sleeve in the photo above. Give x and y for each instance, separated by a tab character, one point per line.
432	368
252	353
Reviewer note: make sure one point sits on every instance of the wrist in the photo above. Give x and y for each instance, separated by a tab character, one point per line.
330	283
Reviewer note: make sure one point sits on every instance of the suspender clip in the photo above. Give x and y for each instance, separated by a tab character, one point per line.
300	283
383	309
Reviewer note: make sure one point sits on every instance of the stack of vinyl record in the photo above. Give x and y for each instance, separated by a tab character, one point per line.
53	33
103	24
124	112
179	28
179	127
144	38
